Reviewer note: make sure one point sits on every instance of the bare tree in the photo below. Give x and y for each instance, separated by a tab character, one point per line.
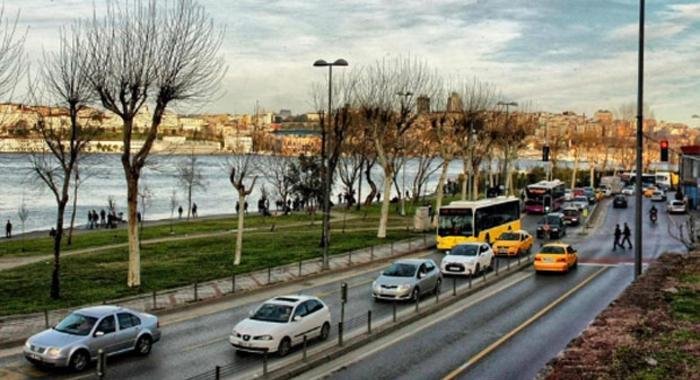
389	115
350	170
511	130
64	78
190	176
240	170
23	215
12	62
150	53
444	133
278	168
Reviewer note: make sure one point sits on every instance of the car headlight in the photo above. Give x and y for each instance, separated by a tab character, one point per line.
53	351
27	345
404	287
374	285
236	334
263	337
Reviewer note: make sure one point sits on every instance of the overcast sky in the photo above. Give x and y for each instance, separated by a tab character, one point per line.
578	55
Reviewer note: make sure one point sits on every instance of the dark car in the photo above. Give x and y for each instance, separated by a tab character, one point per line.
552	225
590	194
572	216
620	201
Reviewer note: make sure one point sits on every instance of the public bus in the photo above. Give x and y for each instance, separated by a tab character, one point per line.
544	196
483	221
648	179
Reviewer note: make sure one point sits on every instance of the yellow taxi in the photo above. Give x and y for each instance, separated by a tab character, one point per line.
555	257
649	191
513	243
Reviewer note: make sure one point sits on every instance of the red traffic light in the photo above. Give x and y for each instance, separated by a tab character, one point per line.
664	144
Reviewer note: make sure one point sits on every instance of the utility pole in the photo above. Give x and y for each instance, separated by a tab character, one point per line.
640	126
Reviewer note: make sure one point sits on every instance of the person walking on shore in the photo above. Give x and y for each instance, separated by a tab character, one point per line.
179	212
626	233
103	216
194	210
8	229
618	235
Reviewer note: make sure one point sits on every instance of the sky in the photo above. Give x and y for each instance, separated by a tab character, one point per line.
556	55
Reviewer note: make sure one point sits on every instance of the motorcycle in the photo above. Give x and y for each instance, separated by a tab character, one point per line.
652	217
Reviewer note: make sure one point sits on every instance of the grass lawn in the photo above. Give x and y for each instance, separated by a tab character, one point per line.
88	278
96	238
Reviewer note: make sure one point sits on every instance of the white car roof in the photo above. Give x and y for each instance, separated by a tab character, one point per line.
290	300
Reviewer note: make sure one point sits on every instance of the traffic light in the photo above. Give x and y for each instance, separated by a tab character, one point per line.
545	153
664	150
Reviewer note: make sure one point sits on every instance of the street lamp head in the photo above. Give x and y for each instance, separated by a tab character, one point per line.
340	62
321	62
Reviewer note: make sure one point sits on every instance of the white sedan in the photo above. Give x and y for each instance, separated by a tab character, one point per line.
468	258
280	323
628	190
676	207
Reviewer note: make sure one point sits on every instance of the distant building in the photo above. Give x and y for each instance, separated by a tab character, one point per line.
284	114
454	103
238	144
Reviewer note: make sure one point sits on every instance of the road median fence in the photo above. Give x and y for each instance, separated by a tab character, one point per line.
15	329
361	327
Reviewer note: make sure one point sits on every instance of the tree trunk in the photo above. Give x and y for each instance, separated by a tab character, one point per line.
189	200
239	232
592	174
384	216
134	275
74	210
465	173
359	186
440	190
373	186
475	183
573	173
55	274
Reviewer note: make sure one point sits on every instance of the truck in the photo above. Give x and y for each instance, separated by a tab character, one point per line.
666	180
613	182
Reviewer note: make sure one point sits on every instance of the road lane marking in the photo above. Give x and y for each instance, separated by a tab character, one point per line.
204	344
459	370
457	308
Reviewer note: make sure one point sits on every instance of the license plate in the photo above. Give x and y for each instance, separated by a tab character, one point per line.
34	356
453	268
548	260
503	250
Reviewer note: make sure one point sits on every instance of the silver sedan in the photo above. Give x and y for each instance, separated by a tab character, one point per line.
75	341
407	280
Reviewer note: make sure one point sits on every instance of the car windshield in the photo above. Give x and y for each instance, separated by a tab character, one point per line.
271	312
552	249
581	199
465	250
677	203
76	324
571	212
509	236
400	270
550	219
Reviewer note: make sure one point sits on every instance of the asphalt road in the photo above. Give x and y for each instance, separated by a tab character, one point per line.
196	345
514	333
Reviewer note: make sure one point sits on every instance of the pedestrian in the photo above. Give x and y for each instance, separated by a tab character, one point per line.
179	212
138	216
618	235
238	205
626	233
8	229
379	197
52	233
340	198
89	225
194	210
245	208
103	217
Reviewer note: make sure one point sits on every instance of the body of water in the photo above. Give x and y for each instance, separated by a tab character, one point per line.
104	178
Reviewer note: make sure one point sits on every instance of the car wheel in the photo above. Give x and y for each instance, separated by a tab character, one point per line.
325	331
575	264
477	270
491	264
415	295
438	286
79	361
284	347
143	345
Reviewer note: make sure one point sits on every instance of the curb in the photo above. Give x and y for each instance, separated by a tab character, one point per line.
354	343
13	343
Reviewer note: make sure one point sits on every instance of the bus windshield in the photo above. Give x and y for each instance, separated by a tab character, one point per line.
455	223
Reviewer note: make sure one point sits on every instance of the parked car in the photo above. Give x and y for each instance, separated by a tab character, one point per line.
468	258
658	196
74	342
628	190
556	257
280	323
408	279
513	243
620	201
572	216
676	207
553	225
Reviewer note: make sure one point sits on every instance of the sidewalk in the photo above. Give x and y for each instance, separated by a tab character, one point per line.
14	329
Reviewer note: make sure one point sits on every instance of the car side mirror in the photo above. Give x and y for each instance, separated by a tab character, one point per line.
251	313
297	318
421	275
99	333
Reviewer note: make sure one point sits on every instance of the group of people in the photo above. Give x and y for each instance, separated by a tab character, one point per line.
180	210
623	234
349	197
104	219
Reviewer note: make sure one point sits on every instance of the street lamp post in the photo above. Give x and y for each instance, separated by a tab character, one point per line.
325	177
404	95
507	104
638	177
